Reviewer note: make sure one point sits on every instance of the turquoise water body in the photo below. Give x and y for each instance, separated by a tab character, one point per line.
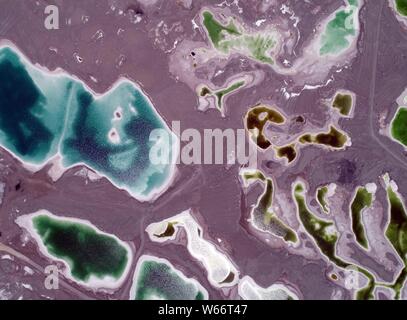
160	280
31	115
42	114
341	30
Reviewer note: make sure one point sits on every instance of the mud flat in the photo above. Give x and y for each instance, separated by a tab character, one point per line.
334	44
335	38
92	258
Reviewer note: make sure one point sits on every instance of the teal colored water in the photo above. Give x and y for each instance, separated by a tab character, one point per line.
340	30
159	280
31	116
43	114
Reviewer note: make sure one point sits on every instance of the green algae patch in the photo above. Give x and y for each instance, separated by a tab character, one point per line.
321	197
399	126
325	236
256	175
216	31
256	119
400	283
343	103
363	199
232	38
259	46
266	220
323	232
396	232
401	6
340	31
88	253
254	46
366	293
263	217
157	279
221	94
333	138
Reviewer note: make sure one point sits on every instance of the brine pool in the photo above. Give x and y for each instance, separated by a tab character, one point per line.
46	115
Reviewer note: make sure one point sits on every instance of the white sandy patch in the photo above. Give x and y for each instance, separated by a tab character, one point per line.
249	290
216	263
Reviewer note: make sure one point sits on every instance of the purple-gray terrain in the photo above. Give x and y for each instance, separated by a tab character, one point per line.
255	230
